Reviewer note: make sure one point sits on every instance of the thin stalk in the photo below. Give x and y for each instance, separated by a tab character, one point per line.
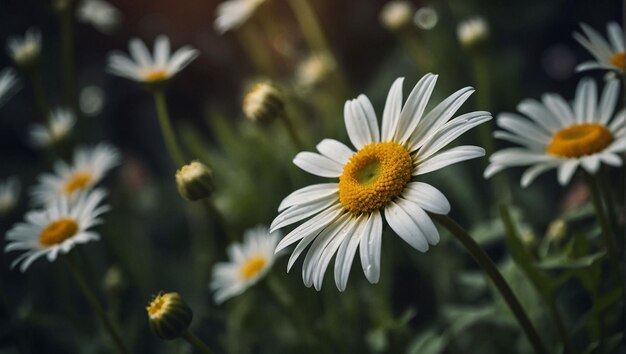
66	19
166	128
196	342
609	240
611	204
558	320
217	216
492	271
40	95
291	130
93	301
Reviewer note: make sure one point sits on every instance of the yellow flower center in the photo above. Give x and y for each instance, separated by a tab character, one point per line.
158	306
253	266
619	59
57	232
154	75
374	176
580	140
79	180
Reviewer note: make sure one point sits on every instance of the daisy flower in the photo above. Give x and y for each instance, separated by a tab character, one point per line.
26	50
609	55
249	262
143	67
101	14
9	84
375	180
89	167
9	194
58	128
561	136
57	228
231	14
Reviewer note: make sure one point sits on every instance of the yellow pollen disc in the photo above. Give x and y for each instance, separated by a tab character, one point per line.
374	176
580	140
619	59
154	75
158	306
252	267
79	180
57	232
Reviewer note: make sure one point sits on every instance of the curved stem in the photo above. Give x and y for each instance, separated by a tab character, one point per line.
492	271
196	342
166	128
291	130
93	301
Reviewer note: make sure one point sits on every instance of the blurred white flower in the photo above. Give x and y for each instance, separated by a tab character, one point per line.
396	14
89	167
563	136
58	128
426	18
9	84
57	228
9	194
249	262
91	100
101	14
472	31
608	56
143	67
25	51
314	70
231	14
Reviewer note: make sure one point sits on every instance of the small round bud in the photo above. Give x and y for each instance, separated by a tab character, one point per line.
473	32
557	230
263	103
396	15
529	240
195	181
169	316
114	281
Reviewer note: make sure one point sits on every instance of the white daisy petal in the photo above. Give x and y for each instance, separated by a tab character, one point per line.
361	126
370	247
532	172
346	253
540	115
393	107
566	171
448	157
616	36
335	150
608	101
560	108
414	107
317	164
299	212
450	131
308	194
311	227
405	226
521	126
427	197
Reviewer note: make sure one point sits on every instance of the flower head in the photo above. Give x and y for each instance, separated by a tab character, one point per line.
608	55
563	136
396	14
472	32
9	84
58	129
151	69
169	316
89	167
195	181
56	229
231	14
9	194
263	103
101	14
249	262
378	178
25	51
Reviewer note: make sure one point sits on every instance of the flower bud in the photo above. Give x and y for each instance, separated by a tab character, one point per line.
557	230
396	15
195	181
169	316
263	103
473	32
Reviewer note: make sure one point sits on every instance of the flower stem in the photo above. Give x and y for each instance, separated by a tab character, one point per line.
492	271
196	342
166	128
291	130
93	301
40	95
219	218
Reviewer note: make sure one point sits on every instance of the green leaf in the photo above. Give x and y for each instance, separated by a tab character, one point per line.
429	342
562	262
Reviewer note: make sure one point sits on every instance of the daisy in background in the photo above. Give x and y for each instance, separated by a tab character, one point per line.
249	262
99	13
9	194
375	180
9	84
56	229
90	165
609	55
58	129
563	136
25	51
231	14
147	68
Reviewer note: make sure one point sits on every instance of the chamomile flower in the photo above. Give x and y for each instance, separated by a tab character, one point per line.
249	262
9	84
89	167
101	14
25	51
563	136
609	55
9	194
231	14
58	128
56	229
146	68
375	180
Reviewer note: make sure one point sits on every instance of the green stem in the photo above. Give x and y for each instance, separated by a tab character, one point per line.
558	320
40	95
93	301
492	271
217	216
609	241
293	134
196	342
166	128
66	18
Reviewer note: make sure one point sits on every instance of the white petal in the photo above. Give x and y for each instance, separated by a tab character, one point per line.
414	107
448	157
611	159
308	194
181	58
450	131
140	53
302	211
311	227
346	252
403	224
391	113
370	247
540	114
335	150
521	126
585	100
560	108
427	197
594	65
566	171
608	101
161	51
532	172
317	164
361	123
591	163
616	36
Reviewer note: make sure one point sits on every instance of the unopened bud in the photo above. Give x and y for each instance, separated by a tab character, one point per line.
195	181
263	103
169	316
557	230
